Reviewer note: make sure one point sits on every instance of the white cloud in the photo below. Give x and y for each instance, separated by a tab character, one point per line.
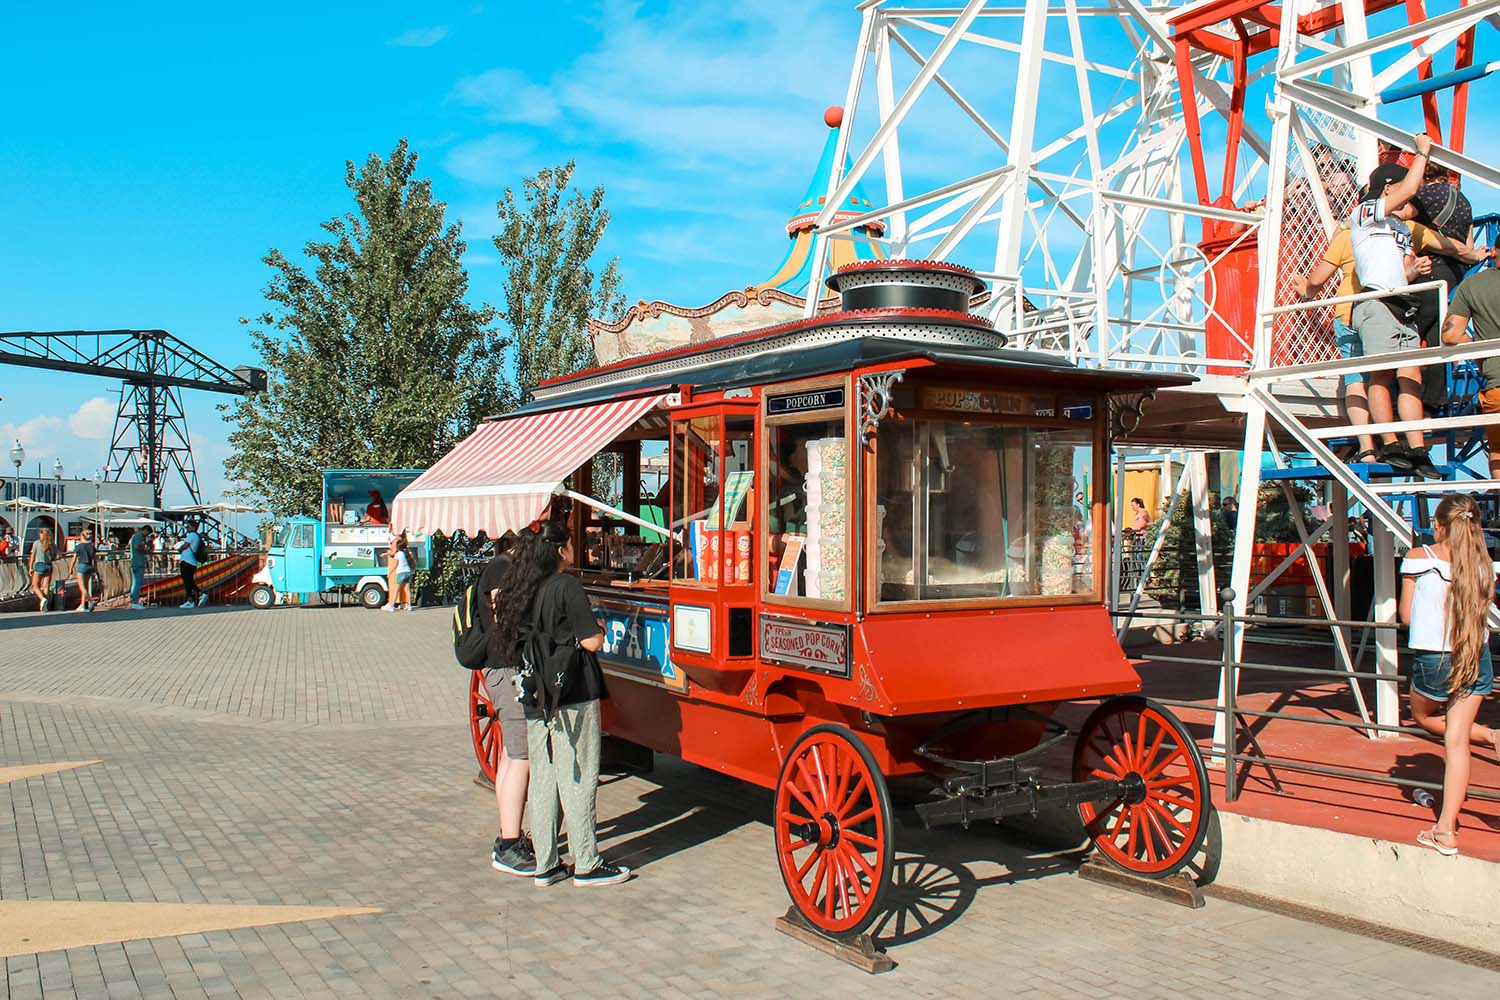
94	420
39	437
491	160
420	38
507	95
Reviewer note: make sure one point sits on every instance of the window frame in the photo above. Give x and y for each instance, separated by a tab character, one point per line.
769	423
687	417
1097	507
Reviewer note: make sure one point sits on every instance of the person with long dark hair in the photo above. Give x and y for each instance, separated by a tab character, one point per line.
563	739
512	852
1446	592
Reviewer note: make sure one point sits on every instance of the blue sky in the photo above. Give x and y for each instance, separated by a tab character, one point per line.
151	159
153	155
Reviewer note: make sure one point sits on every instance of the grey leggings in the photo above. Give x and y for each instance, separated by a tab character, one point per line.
564	772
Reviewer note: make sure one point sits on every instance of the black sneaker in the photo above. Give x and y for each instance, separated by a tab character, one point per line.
1421	463
1396	457
551	876
514	858
605	874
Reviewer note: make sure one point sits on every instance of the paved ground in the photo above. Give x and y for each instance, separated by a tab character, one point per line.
318	757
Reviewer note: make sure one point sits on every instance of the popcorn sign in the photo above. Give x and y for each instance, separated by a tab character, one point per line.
817	647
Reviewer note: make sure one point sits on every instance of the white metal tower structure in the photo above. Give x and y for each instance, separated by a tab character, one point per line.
1141	185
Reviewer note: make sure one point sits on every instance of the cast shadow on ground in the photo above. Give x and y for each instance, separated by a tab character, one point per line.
1429	767
929	894
73	618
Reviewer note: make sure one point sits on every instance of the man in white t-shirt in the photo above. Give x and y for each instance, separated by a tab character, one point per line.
189	555
1383	260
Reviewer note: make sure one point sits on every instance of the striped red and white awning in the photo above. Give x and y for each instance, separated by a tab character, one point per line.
501	477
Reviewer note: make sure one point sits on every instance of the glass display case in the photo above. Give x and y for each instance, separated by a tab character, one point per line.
991	504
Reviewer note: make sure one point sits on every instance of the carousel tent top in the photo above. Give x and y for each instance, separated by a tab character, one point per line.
795	270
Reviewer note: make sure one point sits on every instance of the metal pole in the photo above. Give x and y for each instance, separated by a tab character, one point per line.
1387	698
1338	509
1230	682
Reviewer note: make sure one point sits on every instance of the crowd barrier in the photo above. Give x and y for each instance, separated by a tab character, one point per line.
1235	720
225	576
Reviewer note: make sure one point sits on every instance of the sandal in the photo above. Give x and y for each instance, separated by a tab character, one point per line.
1429	838
1364	457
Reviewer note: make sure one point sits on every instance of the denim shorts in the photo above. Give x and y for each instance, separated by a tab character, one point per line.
1350	346
1429	674
404	576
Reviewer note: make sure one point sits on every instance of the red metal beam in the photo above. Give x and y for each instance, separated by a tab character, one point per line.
1463	58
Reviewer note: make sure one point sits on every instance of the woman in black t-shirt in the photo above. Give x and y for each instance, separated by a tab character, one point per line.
563	742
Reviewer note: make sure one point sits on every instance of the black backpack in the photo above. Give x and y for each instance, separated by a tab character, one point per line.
471	642
200	550
548	671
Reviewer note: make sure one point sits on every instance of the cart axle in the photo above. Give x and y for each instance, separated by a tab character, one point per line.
970	805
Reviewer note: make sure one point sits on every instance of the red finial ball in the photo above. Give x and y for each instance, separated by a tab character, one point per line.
833	117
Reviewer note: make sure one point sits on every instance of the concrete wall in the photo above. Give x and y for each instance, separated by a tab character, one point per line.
1399	885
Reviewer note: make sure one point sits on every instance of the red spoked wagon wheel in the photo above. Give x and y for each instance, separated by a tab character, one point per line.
484	726
834	830
1160	822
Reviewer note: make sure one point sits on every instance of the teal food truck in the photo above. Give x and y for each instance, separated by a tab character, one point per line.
344	550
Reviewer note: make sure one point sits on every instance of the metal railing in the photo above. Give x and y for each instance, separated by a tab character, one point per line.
1237	726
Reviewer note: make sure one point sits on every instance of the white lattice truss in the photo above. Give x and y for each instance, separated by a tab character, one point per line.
1045	143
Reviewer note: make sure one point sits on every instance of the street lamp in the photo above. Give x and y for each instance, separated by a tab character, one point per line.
57	471
103	524
17	456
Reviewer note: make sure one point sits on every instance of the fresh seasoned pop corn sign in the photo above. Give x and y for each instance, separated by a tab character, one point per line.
817	647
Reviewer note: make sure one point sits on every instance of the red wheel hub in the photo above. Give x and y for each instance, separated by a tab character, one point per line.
1160	819
484	726
833	831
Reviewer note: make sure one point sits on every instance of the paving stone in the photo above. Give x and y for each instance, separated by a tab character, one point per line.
311	756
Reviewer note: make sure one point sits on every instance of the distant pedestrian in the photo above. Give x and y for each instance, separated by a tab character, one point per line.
1446	591
42	553
190	555
512	852
84	557
399	571
563	738
4	545
140	544
1140	517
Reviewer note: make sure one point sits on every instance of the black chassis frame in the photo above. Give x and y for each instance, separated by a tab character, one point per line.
1002	787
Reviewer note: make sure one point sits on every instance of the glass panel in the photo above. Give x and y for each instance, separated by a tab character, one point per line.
695	499
967	510
737	540
278	536
808	510
302	536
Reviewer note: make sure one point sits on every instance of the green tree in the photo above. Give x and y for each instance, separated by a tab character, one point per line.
375	359
547	242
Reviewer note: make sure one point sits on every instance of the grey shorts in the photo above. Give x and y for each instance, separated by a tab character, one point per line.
501	684
1380	331
1350	346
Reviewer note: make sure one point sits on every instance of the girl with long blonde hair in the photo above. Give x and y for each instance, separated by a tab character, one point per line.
1447	589
42	554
